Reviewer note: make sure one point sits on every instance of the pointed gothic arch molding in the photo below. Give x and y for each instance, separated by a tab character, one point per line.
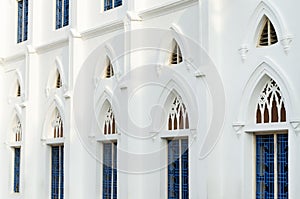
172	89
15	116
17	87
56	104
107	53
105	99
265	71
262	10
58	69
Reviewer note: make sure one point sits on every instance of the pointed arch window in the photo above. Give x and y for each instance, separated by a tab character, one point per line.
58	126
109	70
178	152
178	116
58	82
176	56
109	123
268	34
57	158
18	131
270	107
18	94
17	156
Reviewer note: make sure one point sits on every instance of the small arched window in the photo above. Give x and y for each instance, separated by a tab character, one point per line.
58	126
178	116
267	36
176	56
270	107
58	82
109	71
18	131
18	94
109	123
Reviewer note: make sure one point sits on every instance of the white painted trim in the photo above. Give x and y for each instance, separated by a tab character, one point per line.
103	29
166	8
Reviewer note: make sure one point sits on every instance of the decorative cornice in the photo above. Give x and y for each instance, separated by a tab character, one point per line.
52	45
104	29
166	8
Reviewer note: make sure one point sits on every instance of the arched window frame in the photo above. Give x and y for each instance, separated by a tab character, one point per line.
109	69
177	141
109	124
176	54
270	106
267	34
57	125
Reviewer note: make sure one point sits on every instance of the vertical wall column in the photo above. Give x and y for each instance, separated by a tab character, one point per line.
34	170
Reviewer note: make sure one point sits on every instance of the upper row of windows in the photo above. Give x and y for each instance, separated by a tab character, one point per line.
61	16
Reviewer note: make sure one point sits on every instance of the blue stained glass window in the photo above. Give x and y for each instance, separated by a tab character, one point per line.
109	4
109	184
178	169
66	12
17	170
25	20
62	13
282	159
265	166
22	31
58	14
265	163
118	3
185	169
57	173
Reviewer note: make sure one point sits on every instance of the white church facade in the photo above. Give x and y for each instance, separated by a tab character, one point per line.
148	99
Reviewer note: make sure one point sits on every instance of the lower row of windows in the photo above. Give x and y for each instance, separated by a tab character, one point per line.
271	168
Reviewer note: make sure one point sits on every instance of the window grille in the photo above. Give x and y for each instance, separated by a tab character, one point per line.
57	172
58	126
178	116
109	182
109	4
268	34
109	122
17	170
176	56
22	20
178	166
270	106
266	161
62	13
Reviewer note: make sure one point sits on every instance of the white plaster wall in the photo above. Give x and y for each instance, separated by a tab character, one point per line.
222	27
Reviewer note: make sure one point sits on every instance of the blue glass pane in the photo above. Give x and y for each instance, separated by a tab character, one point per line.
25	20
265	166
17	170
20	19
55	172
58	14
107	170
61	172
118	3
66	12
185	168
115	187
173	169
108	4
282	167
